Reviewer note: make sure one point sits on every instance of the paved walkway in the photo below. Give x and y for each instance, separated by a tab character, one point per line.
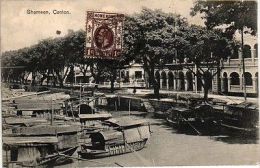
229	99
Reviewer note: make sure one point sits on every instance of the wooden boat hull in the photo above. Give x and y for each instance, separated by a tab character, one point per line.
230	128
57	158
86	152
195	125
160	114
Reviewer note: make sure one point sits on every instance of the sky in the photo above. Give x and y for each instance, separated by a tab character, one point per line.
19	29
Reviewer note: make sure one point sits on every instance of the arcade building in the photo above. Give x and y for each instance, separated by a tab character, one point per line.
228	82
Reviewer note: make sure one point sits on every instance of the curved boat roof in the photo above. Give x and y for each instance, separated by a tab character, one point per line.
108	135
126	121
99	116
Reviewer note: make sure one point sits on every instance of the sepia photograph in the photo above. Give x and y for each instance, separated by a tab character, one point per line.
133	83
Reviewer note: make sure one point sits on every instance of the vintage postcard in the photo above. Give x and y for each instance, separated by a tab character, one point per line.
133	83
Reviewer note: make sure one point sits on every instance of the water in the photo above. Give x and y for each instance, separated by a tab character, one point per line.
167	147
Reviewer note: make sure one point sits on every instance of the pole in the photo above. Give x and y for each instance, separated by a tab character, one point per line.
7	162
196	80
129	106
119	78
79	97
243	62
52	110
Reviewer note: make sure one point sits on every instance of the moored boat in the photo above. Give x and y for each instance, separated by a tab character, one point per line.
42	145
179	116
128	135
200	118
242	118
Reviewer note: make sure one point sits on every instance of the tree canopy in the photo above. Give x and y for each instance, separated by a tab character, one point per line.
233	14
149	37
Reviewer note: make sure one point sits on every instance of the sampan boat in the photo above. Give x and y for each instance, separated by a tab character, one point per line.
128	135
42	145
242	118
35	151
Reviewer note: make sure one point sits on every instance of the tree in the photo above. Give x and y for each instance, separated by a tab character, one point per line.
205	49
234	15
149	37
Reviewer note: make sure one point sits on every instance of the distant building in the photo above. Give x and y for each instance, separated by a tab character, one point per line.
231	75
174	77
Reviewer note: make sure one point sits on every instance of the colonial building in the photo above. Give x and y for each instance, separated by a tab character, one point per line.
232	74
174	77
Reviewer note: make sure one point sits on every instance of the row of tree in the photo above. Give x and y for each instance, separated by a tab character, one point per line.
53	57
151	37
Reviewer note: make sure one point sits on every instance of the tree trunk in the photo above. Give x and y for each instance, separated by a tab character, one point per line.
151	76
48	77
207	83
154	83
33	78
206	92
147	72
112	80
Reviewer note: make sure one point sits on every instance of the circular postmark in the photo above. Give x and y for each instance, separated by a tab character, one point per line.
103	37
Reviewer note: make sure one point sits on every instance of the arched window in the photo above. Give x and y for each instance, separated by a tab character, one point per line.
247	51
235	53
248	79
256	50
234	79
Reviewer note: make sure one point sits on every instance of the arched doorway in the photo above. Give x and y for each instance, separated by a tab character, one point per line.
181	81
164	80
225	83
157	78
199	82
170	80
189	81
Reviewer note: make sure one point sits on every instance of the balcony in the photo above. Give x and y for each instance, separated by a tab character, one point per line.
237	89
238	62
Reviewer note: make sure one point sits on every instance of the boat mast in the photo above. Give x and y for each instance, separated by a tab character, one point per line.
52	110
79	97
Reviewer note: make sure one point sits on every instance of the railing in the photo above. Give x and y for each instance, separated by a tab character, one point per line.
123	84
248	61
237	88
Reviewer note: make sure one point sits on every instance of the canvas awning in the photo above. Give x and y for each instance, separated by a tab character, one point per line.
26	121
10	141
245	105
100	116
180	109
46	130
126	121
